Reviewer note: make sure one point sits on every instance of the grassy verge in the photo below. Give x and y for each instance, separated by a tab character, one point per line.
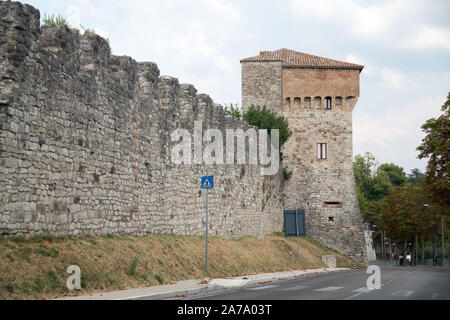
35	268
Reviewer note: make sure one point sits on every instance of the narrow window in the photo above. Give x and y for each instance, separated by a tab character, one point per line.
327	103
317	103
307	102
321	151
330	218
332	204
296	103
288	104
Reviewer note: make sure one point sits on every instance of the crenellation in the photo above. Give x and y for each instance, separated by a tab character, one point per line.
85	144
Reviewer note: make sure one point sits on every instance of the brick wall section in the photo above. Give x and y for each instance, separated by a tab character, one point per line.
85	144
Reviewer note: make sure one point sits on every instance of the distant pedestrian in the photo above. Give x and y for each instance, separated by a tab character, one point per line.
400	259
436	261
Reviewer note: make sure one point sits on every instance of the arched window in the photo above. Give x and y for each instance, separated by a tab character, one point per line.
307	102
327	103
296	103
317	102
288	104
338	102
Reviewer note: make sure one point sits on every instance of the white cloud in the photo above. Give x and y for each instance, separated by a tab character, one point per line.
223	9
427	37
392	77
363	19
369	68
394	135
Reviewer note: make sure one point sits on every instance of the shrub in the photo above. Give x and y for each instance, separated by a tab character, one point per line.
266	119
132	268
286	174
159	278
233	110
54	20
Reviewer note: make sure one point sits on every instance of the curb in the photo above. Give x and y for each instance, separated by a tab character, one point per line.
172	294
215	287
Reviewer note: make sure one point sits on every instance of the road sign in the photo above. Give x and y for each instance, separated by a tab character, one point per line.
294	223
207	182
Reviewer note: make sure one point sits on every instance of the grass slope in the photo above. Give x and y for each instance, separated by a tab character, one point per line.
36	268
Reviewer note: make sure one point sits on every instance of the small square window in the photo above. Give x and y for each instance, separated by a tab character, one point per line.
321	151
330	218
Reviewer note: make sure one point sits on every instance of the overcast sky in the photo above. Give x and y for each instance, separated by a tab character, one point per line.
404	45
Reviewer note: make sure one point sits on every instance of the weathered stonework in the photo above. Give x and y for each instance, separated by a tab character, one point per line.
261	84
85	144
324	188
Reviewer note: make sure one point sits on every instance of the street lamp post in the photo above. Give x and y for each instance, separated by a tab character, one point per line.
415	260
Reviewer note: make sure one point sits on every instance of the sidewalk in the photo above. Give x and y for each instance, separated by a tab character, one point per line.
188	287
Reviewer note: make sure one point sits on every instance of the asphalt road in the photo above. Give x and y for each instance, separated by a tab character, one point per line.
397	283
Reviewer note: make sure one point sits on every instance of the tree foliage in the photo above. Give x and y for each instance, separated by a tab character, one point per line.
266	119
396	174
416	176
436	147
233	110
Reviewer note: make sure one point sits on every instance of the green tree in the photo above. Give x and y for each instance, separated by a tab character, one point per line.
373	183
381	184
363	166
362	200
396	174
415	176
266	119
436	147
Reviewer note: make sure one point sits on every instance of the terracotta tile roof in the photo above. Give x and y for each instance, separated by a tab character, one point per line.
295	59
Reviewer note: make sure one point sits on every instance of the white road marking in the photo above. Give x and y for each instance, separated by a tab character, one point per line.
359	292
263	287
353	296
363	290
295	288
329	289
402	293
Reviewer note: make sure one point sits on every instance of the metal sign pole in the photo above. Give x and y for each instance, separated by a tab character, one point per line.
442	237
296	231
206	254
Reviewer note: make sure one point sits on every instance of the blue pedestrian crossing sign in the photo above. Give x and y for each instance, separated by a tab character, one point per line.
207	182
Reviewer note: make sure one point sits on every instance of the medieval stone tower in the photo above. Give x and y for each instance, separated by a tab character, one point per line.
317	96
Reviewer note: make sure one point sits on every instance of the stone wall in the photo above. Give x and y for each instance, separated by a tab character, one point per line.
261	84
85	144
